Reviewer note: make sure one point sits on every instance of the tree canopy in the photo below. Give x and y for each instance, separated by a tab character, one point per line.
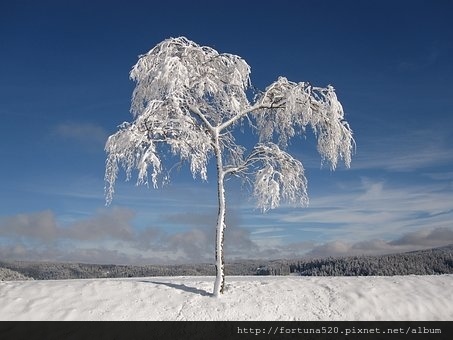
185	93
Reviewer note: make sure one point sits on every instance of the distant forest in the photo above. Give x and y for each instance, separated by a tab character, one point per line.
425	262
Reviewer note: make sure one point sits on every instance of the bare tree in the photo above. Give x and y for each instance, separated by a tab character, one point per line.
190	99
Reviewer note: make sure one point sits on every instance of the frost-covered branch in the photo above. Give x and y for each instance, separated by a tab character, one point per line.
275	176
240	115
203	119
292	106
192	76
139	145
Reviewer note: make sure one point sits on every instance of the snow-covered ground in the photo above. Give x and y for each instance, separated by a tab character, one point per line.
246	298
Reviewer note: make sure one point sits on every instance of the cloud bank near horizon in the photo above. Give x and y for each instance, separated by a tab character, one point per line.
109	237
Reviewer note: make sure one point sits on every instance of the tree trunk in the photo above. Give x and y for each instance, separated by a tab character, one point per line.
219	284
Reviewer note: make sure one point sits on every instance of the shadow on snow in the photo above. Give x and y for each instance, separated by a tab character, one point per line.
183	287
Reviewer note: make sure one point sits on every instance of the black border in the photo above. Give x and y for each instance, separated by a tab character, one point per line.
307	330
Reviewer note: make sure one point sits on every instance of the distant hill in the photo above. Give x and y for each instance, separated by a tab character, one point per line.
423	262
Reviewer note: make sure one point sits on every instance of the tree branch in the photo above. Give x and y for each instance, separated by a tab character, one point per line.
243	113
203	118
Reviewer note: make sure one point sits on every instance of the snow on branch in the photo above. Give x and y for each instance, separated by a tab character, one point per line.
190	75
139	145
288	107
277	176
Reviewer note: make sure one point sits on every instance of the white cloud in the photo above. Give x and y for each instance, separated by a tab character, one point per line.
426	237
267	230
86	133
440	176
405	150
421	239
40	226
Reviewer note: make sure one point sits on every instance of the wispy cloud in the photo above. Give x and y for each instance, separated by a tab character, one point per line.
403	151
267	230
375	208
85	133
440	176
426	58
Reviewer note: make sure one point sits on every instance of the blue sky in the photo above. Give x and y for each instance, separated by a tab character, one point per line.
64	89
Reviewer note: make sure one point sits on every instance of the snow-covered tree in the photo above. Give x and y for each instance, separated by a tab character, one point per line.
190	100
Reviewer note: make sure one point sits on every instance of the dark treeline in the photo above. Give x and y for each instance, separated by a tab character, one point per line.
425	262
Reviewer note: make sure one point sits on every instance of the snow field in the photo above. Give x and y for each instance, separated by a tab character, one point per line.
267	298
